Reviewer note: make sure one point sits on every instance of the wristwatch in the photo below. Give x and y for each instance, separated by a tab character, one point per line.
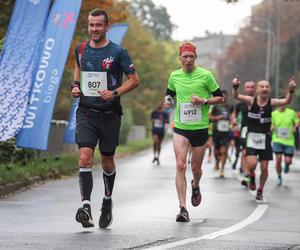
205	101
115	93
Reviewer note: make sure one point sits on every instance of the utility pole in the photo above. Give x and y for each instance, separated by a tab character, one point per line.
277	72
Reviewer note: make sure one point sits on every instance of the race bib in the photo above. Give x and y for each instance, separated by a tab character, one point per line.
223	126
256	140
244	132
283	133
92	82
157	123
190	113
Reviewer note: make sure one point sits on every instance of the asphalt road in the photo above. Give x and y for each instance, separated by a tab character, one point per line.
145	207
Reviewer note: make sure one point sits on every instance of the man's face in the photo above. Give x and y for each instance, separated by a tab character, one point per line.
97	28
263	89
249	88
187	59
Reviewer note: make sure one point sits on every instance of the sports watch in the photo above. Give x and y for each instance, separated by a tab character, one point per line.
115	93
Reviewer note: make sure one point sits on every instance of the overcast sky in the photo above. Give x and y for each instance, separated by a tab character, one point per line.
194	17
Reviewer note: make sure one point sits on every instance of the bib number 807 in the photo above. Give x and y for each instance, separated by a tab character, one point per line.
94	85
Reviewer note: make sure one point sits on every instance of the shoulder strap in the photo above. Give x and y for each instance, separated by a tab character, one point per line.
81	50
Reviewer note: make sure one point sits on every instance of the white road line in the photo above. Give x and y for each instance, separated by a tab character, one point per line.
254	216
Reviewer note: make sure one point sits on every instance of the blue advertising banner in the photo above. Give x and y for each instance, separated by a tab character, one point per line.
57	40
18	61
115	34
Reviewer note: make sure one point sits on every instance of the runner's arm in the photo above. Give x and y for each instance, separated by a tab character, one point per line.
288	97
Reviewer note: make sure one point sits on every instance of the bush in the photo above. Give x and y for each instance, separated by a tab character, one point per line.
127	121
9	153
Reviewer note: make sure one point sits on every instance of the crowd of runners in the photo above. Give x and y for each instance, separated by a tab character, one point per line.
203	121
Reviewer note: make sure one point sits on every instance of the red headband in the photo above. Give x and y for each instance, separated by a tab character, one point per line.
187	47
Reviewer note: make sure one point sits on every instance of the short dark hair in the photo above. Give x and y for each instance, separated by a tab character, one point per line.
99	12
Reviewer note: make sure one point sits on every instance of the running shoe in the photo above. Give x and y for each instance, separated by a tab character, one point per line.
259	196
222	174
279	180
157	160
84	216
286	168
196	196
183	216
106	218
245	181
252	185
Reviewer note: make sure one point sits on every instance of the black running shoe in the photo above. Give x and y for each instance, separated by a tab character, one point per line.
245	181
183	216
105	219
252	185
84	216
259	196
196	196
157	160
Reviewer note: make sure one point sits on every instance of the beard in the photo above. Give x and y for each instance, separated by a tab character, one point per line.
96	37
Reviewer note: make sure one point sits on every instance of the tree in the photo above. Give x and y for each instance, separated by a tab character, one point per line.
155	18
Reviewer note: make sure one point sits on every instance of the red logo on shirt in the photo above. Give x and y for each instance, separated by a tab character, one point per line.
107	62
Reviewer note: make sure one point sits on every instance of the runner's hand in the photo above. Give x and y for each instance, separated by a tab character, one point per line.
76	92
196	99
236	81
292	84
107	95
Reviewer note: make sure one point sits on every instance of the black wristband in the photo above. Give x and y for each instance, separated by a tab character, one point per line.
291	91
235	86
75	84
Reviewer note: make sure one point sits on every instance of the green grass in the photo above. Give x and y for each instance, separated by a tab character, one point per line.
53	168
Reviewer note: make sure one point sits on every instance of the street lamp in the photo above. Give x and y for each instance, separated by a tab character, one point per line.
271	37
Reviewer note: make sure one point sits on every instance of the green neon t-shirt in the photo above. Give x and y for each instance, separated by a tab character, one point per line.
283	123
200	82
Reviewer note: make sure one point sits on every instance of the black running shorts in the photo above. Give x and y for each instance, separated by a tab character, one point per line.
98	127
197	138
221	139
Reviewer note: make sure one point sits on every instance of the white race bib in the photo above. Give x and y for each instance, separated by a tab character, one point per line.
256	140
223	126
92	82
157	123
244	132
190	113
283	133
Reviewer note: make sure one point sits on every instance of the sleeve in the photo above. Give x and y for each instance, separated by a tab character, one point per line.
211	83
126	63
171	84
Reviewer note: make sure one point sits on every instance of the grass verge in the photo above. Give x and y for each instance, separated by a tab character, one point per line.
54	168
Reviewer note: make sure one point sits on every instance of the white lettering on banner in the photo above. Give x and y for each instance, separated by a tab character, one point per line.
38	83
53	81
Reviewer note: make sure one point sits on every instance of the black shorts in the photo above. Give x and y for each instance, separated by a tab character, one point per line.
263	154
197	138
160	135
93	127
221	139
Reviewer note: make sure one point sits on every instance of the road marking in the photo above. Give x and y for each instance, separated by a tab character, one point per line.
254	216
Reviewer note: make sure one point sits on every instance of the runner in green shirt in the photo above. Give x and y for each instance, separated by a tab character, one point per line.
195	89
284	123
